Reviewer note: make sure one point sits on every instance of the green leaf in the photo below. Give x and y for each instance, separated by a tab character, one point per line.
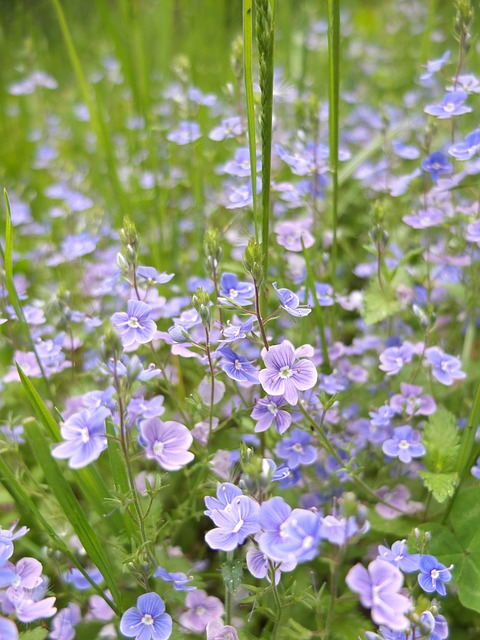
38	405
34	634
460	545
72	509
441	440
441	485
232	573
379	303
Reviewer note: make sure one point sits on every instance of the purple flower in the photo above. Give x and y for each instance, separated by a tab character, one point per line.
340	530
296	449
229	128
166	442
468	148
303	532
267	410
178	578
291	234
451	105
378	588
134	327
234	331
234	524
202	609
445	368
26	574
216	630
231	287
226	494
240	165
186	132
425	218
433	574
237	367
148	620
79	581
404	445
84	433
274	513
285	374
473	231
258	564
436	164
290	302
151	275
64	622
393	358
475	470
398	556
8	629
411	402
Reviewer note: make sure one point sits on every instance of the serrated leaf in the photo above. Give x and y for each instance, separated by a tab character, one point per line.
232	573
441	485
441	440
379	304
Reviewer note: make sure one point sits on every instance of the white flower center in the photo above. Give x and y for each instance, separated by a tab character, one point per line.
435	574
297	447
238	364
85	435
449	107
147	619
272	407
233	293
443	365
403	444
286	372
238	526
158	448
133	322
200	610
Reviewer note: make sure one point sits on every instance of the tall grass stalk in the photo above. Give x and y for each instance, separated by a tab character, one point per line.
96	116
250	104
265	32
333	91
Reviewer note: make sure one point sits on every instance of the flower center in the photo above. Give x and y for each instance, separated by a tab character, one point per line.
85	435
449	107
133	322
233	293
158	448
237	364
286	372
297	447
200	610
147	619
238	526
403	444
272	407
443	365
435	574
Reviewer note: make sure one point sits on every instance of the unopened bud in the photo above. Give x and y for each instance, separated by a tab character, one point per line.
213	250
253	261
201	303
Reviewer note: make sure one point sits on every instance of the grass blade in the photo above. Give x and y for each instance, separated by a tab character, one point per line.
26	503
72	509
333	93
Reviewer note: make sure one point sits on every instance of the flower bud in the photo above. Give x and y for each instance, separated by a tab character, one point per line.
253	261
201	303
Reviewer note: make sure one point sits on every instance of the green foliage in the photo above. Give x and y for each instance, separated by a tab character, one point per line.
441	440
379	302
460	544
232	574
441	485
34	634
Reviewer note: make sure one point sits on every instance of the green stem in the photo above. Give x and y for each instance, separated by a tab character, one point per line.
250	102
468	438
333	594
259	316
333	93
278	604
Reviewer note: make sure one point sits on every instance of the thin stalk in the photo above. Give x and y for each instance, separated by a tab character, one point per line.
228	595
333	93
333	593
259	317
278	604
212	380
318	309
250	104
265	30
468	438
96	117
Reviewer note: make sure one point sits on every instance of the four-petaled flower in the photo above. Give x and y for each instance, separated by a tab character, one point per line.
285	374
268	410
433	574
84	433
148	620
451	105
437	164
237	367
231	287
379	588
134	326
166	442
290	302
445	368
404	445
234	524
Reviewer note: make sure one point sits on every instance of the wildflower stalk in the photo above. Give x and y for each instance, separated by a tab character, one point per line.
259	316
333	91
278	603
250	104
265	31
228	594
318	309
96	116
468	438
333	592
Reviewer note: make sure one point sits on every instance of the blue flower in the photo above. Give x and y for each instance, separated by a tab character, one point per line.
268	410
445	368
178	578
290	302
297	449
134	326
467	149
233	525
398	556
451	105
231	287
437	164
237	367
148	620
84	435
404	445
433	574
